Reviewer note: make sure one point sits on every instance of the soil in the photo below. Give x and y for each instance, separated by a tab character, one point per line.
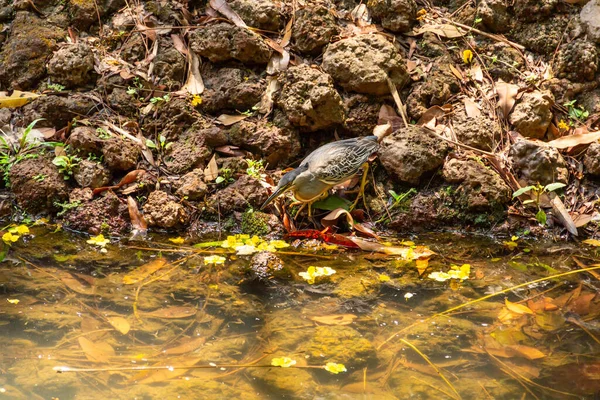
118	89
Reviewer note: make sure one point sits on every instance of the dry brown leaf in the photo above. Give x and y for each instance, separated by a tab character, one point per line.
332	218
76	285
573	140
137	219
582	220
444	30
172	312
530	353
144	271
120	324
266	102
422	265
408	253
507	96
471	108
222	7
476	73
230	150
212	170
334	319
382	131
433	113
287	33
517	308
96	351
457	72
168	373
16	99
226	119
194	83
179	44
562	214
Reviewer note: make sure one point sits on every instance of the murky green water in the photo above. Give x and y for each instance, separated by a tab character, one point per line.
220	325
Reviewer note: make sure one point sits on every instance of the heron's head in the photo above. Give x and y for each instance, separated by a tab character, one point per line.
285	183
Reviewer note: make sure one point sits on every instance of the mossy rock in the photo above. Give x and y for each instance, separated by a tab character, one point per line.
340	344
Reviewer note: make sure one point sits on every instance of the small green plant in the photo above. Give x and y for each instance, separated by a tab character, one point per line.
95	158
66	206
576	114
103	133
39	178
136	88
538	190
66	164
56	87
225	177
162	143
14	151
256	168
400	198
158	100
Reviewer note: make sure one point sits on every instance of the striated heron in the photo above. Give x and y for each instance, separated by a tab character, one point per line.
326	167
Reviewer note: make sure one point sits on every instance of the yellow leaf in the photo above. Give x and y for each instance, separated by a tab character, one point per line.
177	240
312	273
467	56
13	301
10	238
16	99
142	272
335	368
196	100
422	265
592	242
384	278
283	362
214	260
99	240
527	352
517	308
20	230
120	324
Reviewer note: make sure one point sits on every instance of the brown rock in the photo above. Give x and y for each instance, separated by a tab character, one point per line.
532	114
160	210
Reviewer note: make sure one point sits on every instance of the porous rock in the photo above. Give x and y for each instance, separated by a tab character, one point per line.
309	99
395	15
105	213
313	29
72	65
57	111
494	15
162	211
536	163
590	18
532	115
481	132
192	185
591	160
120	154
577	61
410	152
340	344
246	192
233	89
363	64
261	14
188	152
91	174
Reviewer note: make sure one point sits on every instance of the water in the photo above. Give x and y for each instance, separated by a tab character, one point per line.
219	326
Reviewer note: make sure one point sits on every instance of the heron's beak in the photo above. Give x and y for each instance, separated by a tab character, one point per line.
277	192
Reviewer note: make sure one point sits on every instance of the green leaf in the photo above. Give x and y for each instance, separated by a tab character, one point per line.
219	179
522	190
541	217
554	186
332	203
150	144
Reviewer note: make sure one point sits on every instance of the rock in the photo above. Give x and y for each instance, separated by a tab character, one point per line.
285	382
106	213
85	13
591	160
482	188
266	265
23	57
192	185
590	18
120	154
537	163
363	63
188	152
277	146
81	195
395	15
577	61
481	132
362	115
261	224
510	61
244	193
133	49
37	185
313	29
91	174
409	153
361	288
169	65
340	344
533	10
309	99
532	115
435	91
494	15
170	119
543	37
72	65
261	14
57	111
224	42
162	211
230	89
85	141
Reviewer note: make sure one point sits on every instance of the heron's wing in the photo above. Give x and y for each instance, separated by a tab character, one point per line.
337	161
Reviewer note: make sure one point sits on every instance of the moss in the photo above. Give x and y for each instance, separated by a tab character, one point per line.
255	223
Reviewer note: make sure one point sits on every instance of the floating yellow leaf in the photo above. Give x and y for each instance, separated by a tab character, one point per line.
10	238
214	260
177	240
510	245
335	368
384	278
13	301
467	56
592	242
99	240
20	230
283	362
312	273
455	272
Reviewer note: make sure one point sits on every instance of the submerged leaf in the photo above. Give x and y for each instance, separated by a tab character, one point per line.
96	351
144	271
120	324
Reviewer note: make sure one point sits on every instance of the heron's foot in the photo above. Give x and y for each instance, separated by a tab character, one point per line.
361	190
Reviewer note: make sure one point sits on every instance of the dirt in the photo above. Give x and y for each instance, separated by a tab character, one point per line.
330	74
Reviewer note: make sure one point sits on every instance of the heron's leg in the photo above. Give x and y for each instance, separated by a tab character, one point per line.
301	208
363	183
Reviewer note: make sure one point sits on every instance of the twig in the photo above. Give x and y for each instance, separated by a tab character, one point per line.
397	100
482	33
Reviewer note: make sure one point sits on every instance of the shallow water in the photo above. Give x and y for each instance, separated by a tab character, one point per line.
220	325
